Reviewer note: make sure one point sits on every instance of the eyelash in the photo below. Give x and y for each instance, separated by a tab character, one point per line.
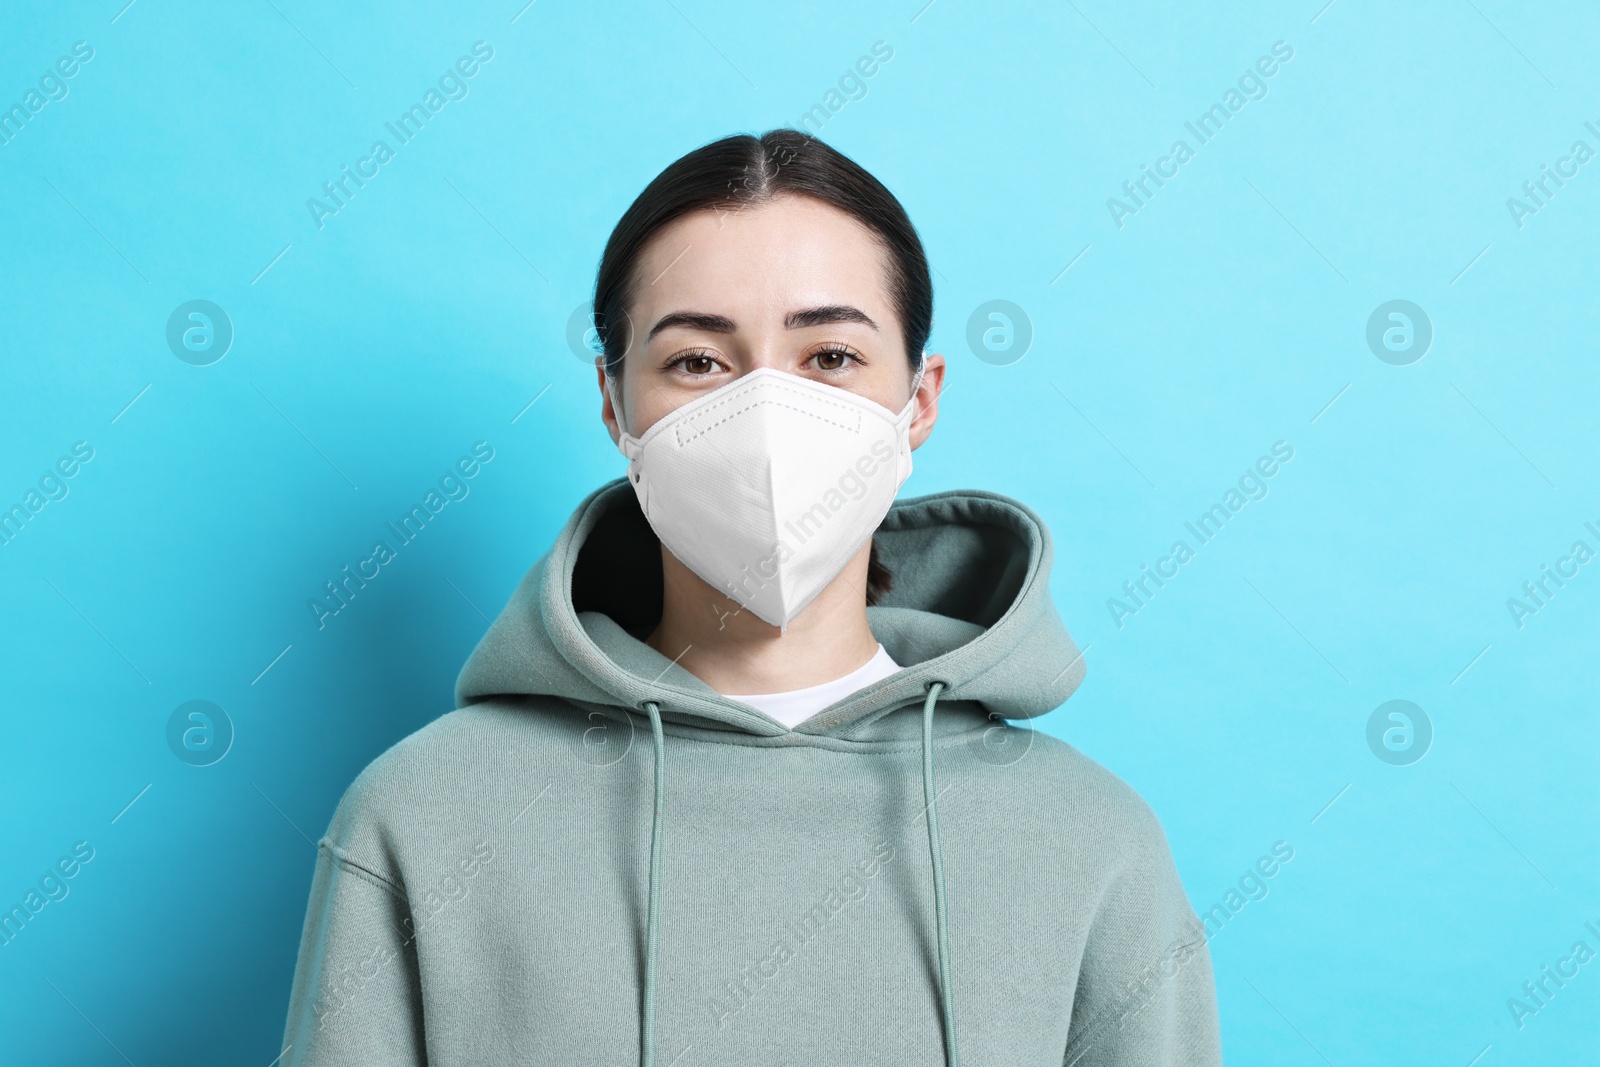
825	350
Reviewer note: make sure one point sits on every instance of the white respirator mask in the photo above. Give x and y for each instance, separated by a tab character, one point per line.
768	486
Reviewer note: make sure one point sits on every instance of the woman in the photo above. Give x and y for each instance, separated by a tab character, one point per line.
686	812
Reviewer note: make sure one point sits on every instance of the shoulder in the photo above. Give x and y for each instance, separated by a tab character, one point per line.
425	759
459	773
1099	814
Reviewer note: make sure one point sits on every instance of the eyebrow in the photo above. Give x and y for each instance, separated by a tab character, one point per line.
795	320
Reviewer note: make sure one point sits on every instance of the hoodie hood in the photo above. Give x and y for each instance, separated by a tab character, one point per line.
969	619
1064	899
970	610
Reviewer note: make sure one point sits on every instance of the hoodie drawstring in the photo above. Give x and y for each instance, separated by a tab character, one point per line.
652	927
941	918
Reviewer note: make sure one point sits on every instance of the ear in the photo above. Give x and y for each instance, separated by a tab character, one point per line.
928	400
608	414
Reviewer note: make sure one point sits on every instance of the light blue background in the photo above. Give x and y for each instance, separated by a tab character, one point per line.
1222	317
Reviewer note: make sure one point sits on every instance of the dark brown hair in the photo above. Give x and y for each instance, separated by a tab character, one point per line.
744	170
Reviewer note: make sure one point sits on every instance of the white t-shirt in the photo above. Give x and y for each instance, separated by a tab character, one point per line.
798	705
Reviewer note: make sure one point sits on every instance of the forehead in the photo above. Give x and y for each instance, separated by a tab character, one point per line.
789	251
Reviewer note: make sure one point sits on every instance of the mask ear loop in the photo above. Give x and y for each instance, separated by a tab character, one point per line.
907	416
623	436
916	383
613	390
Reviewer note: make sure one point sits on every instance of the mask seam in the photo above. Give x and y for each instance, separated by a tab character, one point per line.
843	405
703	430
837	402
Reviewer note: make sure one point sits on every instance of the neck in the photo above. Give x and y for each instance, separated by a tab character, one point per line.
733	651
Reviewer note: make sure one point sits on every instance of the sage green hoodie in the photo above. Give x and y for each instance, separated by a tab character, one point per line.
597	859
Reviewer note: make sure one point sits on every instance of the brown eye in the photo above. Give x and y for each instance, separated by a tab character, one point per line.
832	359
699	364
